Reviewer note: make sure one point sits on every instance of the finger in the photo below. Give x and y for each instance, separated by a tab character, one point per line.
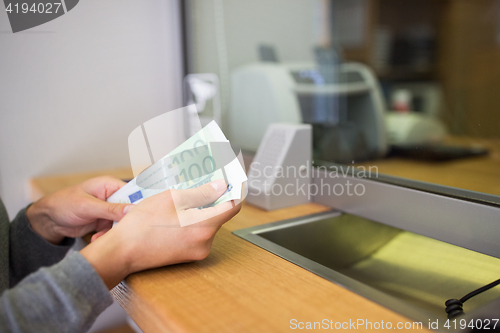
108	211
103	225
99	234
224	215
200	196
103	187
98	225
212	216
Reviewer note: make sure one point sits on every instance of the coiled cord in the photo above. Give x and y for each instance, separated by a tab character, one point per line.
454	307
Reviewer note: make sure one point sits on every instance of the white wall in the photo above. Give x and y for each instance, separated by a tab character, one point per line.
73	89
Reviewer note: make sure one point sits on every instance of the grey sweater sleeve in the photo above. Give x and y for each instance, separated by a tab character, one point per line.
66	297
28	251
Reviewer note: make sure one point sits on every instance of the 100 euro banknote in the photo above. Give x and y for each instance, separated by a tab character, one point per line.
205	157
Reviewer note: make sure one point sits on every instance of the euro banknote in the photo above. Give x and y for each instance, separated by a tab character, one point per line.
203	158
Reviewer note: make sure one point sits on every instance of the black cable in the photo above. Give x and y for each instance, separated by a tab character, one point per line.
480	290
454	307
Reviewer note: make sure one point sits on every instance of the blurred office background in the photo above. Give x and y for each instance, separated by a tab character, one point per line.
448	47
379	80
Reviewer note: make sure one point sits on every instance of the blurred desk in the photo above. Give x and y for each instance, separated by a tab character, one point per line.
238	288
481	174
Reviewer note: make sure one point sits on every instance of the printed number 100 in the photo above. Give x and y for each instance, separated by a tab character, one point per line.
207	168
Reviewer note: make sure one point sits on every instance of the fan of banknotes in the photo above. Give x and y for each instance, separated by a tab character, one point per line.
203	158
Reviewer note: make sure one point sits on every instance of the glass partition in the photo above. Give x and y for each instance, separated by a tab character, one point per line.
411	87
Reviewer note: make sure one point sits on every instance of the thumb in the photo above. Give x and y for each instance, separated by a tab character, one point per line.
110	211
199	196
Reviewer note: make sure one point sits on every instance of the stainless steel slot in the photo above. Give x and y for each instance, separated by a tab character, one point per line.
406	272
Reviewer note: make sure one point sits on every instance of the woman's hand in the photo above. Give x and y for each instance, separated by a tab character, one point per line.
77	210
151	235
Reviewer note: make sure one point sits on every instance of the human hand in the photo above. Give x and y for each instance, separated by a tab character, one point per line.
77	210
150	235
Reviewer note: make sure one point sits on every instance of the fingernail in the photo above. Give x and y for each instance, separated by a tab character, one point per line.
127	209
218	185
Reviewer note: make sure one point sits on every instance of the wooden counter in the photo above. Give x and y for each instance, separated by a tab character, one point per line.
41	186
241	288
238	288
481	174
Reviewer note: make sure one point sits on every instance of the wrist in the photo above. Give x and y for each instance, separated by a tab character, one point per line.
38	215
107	256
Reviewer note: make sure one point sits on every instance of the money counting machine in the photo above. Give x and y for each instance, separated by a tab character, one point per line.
346	108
